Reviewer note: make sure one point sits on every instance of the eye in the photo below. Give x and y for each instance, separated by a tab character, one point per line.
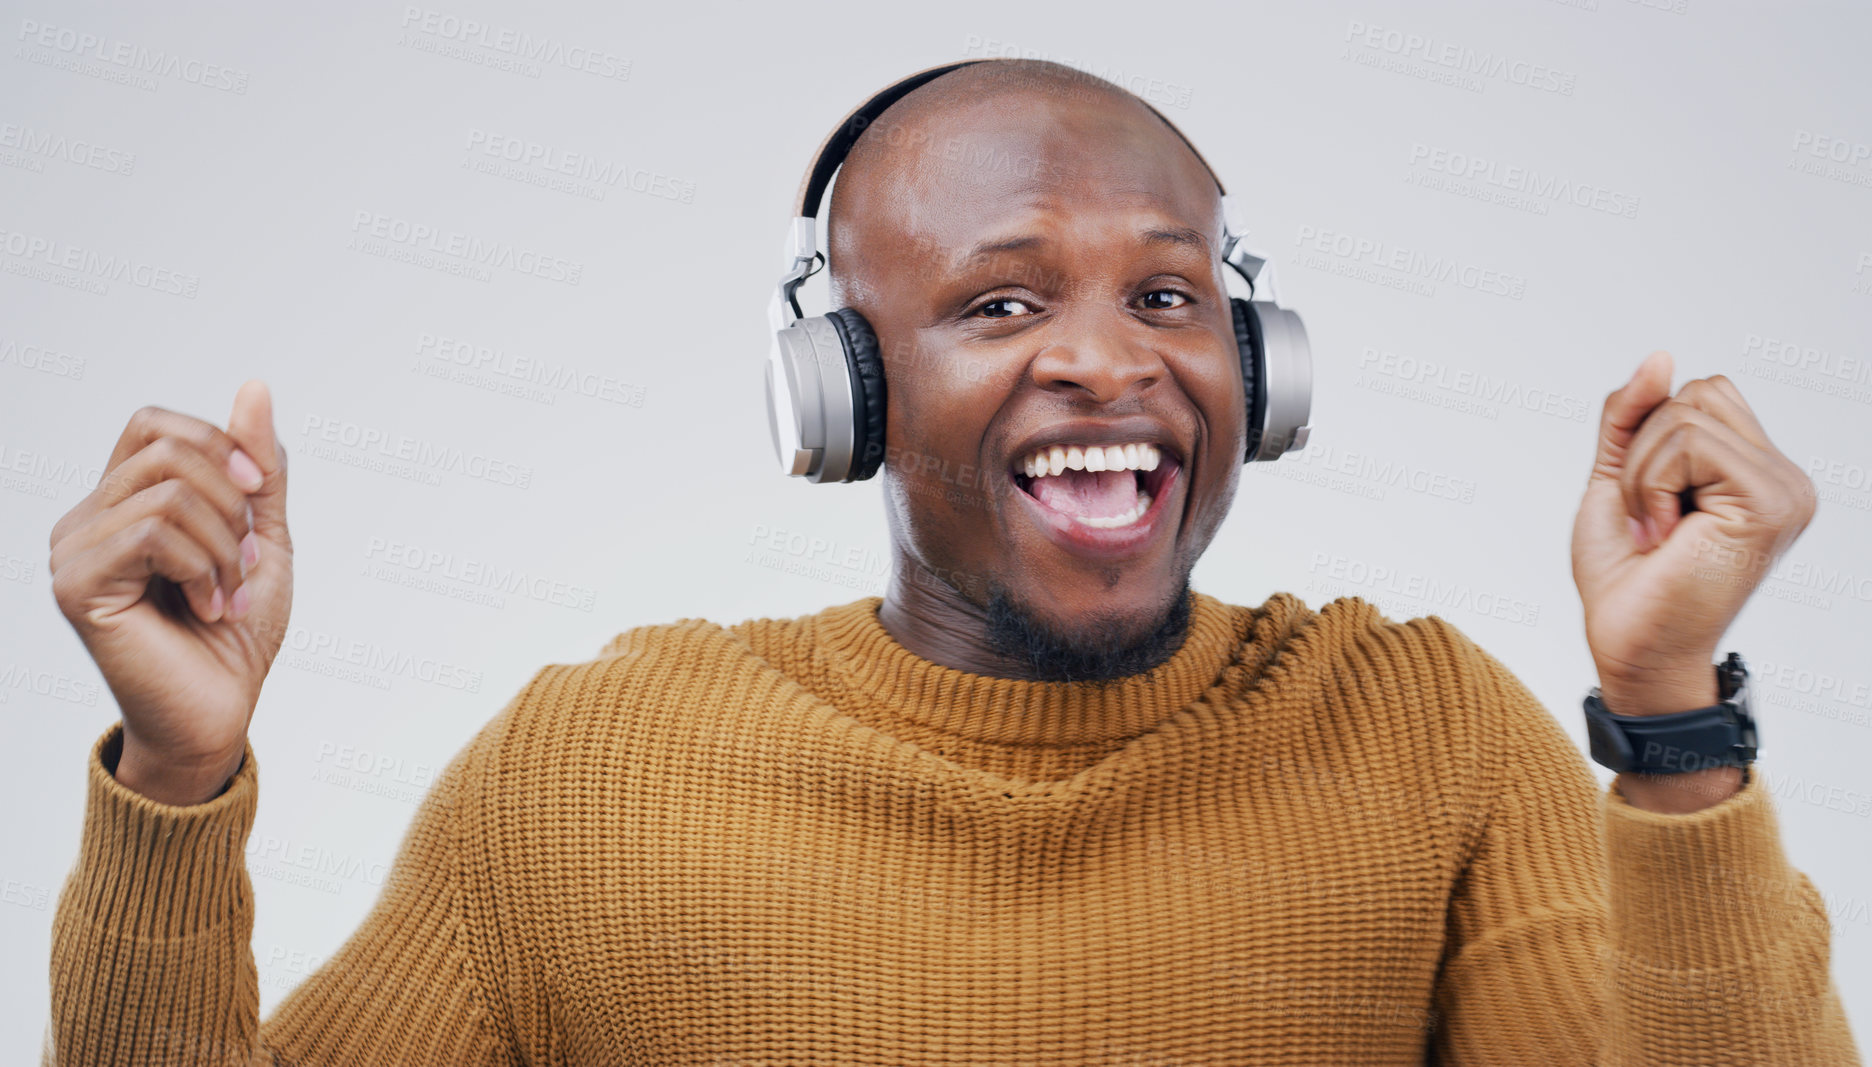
1160	295
998	309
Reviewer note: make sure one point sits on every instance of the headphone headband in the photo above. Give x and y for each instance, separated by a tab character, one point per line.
838	144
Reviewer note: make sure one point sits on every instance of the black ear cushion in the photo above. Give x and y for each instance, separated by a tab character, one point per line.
867	377
1248	343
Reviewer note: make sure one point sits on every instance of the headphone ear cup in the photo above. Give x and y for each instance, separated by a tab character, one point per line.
1249	343
868	396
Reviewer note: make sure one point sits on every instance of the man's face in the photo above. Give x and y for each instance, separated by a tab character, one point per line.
1043	275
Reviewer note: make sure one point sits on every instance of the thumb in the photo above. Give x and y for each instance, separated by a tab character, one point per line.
1626	409
251	426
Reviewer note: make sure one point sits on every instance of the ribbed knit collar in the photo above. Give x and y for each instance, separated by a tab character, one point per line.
862	658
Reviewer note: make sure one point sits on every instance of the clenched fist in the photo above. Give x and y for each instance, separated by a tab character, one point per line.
176	572
1688	505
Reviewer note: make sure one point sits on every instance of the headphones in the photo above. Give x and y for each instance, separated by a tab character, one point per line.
825	375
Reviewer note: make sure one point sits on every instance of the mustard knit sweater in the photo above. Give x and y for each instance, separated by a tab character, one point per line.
1311	837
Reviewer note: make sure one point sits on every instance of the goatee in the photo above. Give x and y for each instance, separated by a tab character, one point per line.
1099	648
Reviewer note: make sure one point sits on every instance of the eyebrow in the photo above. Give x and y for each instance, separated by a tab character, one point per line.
1179	235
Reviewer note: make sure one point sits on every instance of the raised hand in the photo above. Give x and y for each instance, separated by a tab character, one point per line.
176	572
1687	507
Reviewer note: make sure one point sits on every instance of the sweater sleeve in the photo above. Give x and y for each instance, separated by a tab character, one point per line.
152	961
1584	930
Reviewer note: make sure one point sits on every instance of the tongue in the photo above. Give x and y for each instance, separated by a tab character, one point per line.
1088	494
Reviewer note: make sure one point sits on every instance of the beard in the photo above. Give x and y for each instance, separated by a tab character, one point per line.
1099	649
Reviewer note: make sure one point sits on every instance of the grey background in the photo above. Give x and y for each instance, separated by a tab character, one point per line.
239	178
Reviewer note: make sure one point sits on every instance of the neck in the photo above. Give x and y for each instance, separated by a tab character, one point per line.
934	620
938	623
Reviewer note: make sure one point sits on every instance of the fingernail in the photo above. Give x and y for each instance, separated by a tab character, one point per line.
1637	533
214	605
250	552
239	606
1651	530
244	471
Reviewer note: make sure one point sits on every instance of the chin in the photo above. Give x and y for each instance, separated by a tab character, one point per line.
1092	634
1126	601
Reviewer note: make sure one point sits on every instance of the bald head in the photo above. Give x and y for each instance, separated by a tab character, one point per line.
974	136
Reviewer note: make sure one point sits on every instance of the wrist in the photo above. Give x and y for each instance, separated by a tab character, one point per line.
1679	794
1659	691
169	781
1679	746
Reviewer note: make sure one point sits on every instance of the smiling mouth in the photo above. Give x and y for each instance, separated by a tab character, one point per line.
1097	487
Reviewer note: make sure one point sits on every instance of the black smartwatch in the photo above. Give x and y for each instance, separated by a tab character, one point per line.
1721	735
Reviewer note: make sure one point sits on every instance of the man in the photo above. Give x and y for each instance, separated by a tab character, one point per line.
1038	804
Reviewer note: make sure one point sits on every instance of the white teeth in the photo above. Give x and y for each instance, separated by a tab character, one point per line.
1137	512
1055	459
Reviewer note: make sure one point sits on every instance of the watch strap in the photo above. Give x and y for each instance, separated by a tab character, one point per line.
1721	735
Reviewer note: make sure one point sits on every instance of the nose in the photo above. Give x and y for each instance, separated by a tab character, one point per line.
1099	356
